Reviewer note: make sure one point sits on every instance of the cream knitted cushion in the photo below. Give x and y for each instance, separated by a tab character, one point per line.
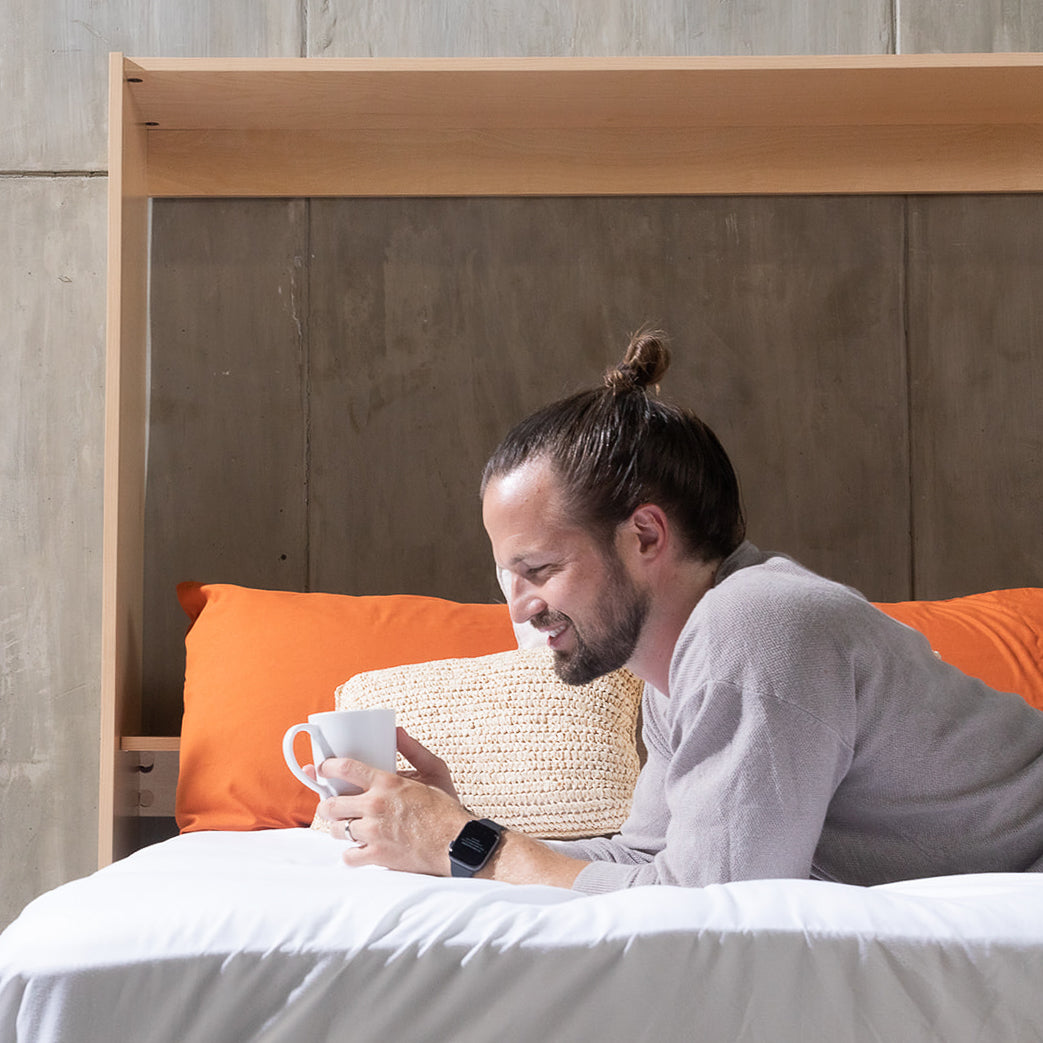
524	748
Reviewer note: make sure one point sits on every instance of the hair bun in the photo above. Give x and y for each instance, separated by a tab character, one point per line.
646	360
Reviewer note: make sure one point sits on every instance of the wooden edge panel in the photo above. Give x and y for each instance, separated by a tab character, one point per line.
682	161
508	93
151	743
125	417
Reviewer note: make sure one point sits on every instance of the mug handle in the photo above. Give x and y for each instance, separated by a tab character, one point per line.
291	758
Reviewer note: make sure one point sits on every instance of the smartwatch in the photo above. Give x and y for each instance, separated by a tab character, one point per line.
474	846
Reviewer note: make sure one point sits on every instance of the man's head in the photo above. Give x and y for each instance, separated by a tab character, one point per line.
561	578
570	475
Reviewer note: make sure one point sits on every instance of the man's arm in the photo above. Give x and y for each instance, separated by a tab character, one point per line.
407	822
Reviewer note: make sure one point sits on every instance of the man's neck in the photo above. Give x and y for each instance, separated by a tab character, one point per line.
671	606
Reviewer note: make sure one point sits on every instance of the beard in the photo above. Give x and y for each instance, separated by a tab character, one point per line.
606	644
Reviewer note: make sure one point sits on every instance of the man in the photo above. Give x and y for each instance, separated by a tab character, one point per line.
792	729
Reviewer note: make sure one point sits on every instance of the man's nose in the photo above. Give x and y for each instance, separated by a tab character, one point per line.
522	600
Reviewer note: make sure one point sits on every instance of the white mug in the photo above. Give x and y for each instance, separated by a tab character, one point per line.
363	735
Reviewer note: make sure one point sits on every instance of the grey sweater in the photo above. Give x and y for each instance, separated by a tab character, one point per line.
810	735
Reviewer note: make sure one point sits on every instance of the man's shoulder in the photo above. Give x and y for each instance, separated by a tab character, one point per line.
767	586
769	611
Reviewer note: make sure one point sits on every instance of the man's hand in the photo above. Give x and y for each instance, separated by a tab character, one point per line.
425	766
407	821
395	821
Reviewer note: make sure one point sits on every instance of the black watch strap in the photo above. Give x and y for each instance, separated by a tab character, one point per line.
474	846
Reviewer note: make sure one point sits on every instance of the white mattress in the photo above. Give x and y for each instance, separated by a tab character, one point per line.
216	937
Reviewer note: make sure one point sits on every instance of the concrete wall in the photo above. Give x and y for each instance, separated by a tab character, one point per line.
52	257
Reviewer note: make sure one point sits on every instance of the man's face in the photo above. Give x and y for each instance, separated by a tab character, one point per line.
561	579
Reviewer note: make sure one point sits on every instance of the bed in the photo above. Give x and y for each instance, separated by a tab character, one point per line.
248	926
266	936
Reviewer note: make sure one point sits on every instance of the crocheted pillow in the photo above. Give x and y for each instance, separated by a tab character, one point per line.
535	754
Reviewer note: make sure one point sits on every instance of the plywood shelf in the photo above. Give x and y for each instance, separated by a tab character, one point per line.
870	123
150	743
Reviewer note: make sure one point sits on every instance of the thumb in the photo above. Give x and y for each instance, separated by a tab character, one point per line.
417	753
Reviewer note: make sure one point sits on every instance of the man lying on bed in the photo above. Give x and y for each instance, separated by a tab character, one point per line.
793	730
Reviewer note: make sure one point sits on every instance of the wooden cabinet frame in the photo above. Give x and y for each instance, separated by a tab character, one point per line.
567	126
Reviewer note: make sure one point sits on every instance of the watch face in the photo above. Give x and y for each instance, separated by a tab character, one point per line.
471	848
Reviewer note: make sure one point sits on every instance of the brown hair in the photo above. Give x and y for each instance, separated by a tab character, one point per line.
618	446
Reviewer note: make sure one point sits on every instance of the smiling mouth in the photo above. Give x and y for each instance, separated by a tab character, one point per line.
551	626
552	634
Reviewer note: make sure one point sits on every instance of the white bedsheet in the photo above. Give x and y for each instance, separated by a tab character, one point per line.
215	937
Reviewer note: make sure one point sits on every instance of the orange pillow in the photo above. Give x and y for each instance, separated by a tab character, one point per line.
996	637
258	661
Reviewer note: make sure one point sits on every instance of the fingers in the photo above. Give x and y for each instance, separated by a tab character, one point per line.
345	813
344	819
339	811
349	834
355	773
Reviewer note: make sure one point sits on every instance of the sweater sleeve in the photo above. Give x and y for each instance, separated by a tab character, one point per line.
746	795
643	835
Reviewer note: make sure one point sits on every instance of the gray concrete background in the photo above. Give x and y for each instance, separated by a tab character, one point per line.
53	59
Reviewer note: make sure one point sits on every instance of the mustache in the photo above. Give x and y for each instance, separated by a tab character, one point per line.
547	619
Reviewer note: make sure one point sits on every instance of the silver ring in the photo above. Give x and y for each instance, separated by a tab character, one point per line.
347	831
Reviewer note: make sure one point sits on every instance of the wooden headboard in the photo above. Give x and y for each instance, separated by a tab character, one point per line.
497	127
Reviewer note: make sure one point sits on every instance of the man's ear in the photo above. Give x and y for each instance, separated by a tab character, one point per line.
649	530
